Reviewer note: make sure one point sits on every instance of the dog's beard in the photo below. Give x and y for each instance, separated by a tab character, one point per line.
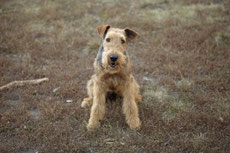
113	67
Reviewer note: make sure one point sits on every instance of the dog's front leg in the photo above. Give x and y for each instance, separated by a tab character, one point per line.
98	107
130	108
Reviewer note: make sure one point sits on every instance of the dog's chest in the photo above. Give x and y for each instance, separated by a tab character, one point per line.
113	82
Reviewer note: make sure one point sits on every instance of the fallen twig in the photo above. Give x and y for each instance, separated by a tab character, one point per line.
22	83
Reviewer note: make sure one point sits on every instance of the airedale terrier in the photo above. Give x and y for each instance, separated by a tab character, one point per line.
113	74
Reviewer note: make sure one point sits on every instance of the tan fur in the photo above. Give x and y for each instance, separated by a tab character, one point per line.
118	79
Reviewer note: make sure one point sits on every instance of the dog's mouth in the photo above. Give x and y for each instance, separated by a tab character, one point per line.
113	65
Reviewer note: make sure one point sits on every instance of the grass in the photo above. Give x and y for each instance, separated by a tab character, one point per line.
181	62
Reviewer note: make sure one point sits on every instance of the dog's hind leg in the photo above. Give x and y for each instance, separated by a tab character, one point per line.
88	101
138	97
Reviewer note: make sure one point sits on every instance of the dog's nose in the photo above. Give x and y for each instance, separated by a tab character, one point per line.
113	58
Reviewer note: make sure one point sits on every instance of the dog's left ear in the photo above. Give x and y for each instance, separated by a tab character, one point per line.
102	30
130	34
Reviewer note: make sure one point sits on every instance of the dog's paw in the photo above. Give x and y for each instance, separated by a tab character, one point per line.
91	127
138	98
134	124
86	102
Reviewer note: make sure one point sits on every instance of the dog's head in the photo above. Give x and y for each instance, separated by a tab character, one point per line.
112	55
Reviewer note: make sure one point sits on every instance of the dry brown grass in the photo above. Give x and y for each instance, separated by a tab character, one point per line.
181	61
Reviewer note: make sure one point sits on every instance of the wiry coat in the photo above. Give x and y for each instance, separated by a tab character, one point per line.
117	79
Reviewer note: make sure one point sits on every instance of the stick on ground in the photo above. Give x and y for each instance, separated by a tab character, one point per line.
22	83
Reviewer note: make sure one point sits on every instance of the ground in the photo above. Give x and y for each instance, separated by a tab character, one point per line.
181	61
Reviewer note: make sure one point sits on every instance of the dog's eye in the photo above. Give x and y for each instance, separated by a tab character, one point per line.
122	41
108	39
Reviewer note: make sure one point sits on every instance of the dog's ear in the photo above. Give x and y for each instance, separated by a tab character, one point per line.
102	30
130	34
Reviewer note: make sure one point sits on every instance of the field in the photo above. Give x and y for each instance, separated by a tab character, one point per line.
181	61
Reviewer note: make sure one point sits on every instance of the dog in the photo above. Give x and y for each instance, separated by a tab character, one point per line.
113	75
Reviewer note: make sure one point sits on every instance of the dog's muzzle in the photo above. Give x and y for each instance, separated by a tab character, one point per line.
113	59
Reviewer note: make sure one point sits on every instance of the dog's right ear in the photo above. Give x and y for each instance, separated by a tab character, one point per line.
102	30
